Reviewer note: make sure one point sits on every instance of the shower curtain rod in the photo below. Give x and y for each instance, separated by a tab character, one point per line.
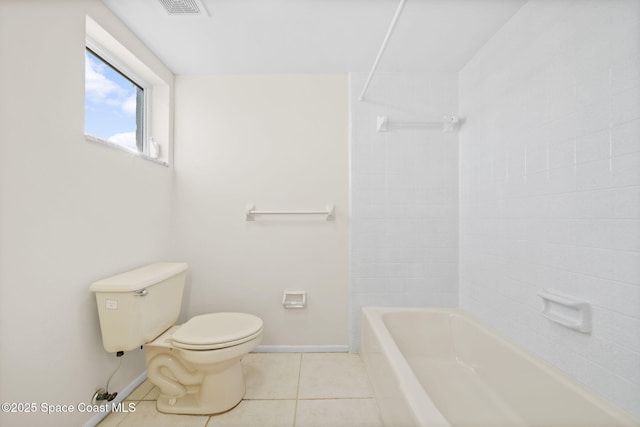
382	48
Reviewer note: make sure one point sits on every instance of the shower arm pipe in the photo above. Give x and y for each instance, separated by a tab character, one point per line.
382	48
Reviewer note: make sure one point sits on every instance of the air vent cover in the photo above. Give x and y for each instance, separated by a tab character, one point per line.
184	7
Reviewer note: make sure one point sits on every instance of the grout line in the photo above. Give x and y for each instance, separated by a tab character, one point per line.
338	398
210	421
295	408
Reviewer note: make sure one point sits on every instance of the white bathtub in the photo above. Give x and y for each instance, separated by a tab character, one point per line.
440	367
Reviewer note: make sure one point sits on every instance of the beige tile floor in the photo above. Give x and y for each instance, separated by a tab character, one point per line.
283	390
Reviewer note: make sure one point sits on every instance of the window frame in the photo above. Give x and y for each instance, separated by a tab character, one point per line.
120	67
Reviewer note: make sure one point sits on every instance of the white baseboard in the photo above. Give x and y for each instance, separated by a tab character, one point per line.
93	421
301	349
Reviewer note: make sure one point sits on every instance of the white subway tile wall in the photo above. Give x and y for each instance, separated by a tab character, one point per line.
404	195
550	185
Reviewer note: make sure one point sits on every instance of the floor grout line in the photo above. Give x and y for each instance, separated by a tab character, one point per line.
295	408
308	398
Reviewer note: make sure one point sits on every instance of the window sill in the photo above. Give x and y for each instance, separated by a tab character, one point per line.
109	144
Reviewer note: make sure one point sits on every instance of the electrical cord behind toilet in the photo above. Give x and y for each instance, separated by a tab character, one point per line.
103	394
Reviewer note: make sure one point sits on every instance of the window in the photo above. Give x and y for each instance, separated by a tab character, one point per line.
114	105
128	96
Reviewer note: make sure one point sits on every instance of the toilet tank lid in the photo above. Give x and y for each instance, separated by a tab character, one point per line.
139	278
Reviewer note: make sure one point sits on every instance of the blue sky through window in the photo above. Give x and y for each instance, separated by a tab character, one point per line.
109	103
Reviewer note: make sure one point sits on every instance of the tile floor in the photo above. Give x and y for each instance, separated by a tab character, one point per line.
283	390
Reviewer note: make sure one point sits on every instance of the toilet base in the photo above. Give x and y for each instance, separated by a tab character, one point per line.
195	382
219	392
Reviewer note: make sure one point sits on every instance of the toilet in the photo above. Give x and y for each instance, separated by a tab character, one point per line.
195	365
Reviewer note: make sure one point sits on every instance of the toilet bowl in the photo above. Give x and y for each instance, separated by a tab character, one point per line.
195	365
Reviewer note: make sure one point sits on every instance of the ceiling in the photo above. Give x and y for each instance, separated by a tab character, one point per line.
315	36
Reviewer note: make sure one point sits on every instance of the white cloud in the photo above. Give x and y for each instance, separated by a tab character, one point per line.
125	139
100	89
129	104
97	86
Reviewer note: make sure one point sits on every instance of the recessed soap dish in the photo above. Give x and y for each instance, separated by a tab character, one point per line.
294	299
566	310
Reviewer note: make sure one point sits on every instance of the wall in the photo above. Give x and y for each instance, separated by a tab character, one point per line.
550	185
279	142
71	212
404	196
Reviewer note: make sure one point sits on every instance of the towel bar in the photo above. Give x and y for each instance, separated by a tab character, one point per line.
251	211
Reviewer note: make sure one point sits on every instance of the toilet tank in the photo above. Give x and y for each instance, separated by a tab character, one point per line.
137	306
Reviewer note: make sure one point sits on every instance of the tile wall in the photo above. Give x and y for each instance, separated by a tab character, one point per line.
403	195
550	185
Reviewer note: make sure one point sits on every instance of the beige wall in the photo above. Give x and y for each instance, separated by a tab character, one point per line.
71	212
280	142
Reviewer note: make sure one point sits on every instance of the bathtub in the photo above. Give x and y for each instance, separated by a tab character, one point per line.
441	367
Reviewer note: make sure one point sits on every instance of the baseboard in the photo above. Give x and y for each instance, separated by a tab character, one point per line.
302	349
95	420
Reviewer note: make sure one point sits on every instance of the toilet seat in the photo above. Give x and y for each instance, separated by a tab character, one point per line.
217	330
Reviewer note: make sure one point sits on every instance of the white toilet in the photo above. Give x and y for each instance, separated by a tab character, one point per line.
196	365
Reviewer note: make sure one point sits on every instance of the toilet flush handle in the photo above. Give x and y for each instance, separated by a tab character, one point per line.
141	292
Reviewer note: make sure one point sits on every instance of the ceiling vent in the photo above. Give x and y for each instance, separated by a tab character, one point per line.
184	7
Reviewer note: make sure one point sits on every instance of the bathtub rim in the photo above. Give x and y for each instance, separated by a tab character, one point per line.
412	389
424	410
